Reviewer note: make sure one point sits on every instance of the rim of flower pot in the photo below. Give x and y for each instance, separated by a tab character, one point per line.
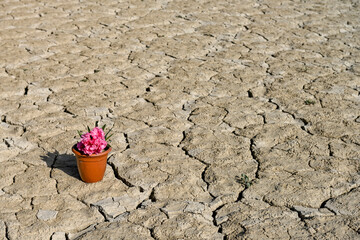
77	152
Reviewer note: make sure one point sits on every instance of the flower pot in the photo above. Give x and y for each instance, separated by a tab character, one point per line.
91	167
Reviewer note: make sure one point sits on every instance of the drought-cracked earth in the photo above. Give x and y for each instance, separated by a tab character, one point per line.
233	119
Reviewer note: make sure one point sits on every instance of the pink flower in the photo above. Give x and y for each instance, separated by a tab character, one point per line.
98	132
92	142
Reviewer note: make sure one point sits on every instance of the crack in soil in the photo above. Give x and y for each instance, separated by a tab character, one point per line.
152	233
220	230
51	173
253	154
117	175
7	235
302	219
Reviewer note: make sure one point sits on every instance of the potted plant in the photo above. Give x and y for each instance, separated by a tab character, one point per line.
91	153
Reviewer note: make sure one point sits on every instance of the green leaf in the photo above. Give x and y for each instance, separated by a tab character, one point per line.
106	138
309	102
245	181
108	132
88	129
79	133
96	123
103	127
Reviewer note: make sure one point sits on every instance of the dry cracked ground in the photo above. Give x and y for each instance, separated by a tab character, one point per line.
235	119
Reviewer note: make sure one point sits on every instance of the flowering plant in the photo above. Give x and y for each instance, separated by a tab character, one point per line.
94	141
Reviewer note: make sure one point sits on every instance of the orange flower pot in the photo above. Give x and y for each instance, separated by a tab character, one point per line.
91	167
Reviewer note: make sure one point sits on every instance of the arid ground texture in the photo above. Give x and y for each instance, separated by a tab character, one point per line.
233	119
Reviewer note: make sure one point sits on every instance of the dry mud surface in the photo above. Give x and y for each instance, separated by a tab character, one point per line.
200	93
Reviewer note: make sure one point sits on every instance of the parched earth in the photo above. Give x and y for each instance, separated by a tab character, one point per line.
233	119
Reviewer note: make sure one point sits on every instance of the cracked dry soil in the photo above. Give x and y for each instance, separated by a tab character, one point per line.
199	92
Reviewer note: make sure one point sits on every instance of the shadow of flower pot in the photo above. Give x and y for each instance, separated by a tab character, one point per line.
64	162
